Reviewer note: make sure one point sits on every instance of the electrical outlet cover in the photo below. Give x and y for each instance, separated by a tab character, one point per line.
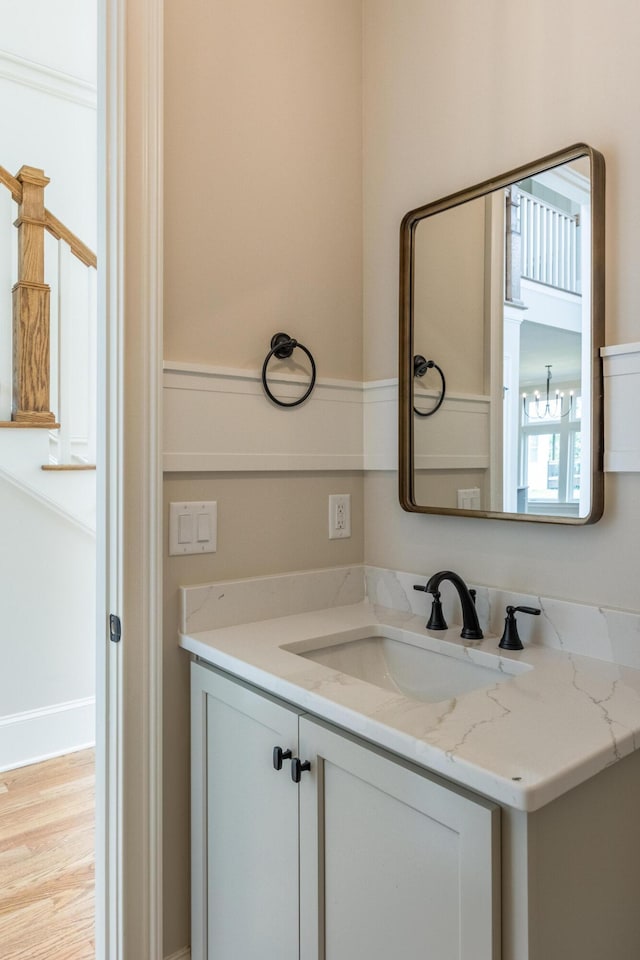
339	516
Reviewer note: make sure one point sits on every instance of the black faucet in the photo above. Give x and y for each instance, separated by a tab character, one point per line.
470	625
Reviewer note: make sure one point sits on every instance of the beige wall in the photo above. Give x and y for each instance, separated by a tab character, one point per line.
596	565
439	488
458	92
449	296
455	93
263	205
263	233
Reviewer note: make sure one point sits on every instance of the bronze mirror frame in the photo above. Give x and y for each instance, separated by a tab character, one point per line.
406	344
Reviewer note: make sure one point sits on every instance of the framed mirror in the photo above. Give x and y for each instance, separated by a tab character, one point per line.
501	324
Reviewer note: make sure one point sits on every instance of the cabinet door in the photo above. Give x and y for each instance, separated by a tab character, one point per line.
393	863
244	823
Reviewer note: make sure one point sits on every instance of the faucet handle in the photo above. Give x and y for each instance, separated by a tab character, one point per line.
436	620
510	637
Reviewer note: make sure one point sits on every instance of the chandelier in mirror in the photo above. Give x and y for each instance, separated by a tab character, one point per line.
550	409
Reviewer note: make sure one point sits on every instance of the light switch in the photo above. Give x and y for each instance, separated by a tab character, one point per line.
193	527
204	528
185	528
469	499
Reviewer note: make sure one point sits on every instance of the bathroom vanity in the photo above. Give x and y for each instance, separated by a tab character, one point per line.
366	855
492	814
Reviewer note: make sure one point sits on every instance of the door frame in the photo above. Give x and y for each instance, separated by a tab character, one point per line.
129	673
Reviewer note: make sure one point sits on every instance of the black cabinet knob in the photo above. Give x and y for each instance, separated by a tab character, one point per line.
278	756
298	768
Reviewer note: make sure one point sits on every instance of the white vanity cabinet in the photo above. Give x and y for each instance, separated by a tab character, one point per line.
368	857
392	862
244	823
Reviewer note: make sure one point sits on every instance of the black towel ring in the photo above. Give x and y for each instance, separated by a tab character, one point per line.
420	367
282	346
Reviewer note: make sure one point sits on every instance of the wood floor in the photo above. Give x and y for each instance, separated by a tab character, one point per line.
47	821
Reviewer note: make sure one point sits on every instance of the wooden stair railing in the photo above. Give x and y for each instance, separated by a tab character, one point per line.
31	297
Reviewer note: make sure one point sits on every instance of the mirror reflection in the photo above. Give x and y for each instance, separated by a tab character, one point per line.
502	324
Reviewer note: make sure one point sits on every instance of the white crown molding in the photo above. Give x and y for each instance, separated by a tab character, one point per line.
47	80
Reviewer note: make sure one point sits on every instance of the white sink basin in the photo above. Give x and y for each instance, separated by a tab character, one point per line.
407	663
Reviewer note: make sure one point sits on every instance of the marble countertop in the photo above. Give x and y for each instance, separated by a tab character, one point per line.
522	742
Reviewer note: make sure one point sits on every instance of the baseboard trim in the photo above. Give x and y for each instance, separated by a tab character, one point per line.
36	735
184	954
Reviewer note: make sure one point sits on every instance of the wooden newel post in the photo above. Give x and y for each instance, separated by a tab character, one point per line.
31	297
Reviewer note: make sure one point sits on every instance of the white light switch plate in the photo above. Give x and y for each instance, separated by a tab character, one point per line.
469	499
193	527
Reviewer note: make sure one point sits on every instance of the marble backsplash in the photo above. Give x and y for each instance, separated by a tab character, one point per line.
600	632
209	606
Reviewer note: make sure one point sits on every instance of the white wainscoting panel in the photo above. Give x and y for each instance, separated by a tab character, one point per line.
461	423
621	367
380	424
36	735
219	419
